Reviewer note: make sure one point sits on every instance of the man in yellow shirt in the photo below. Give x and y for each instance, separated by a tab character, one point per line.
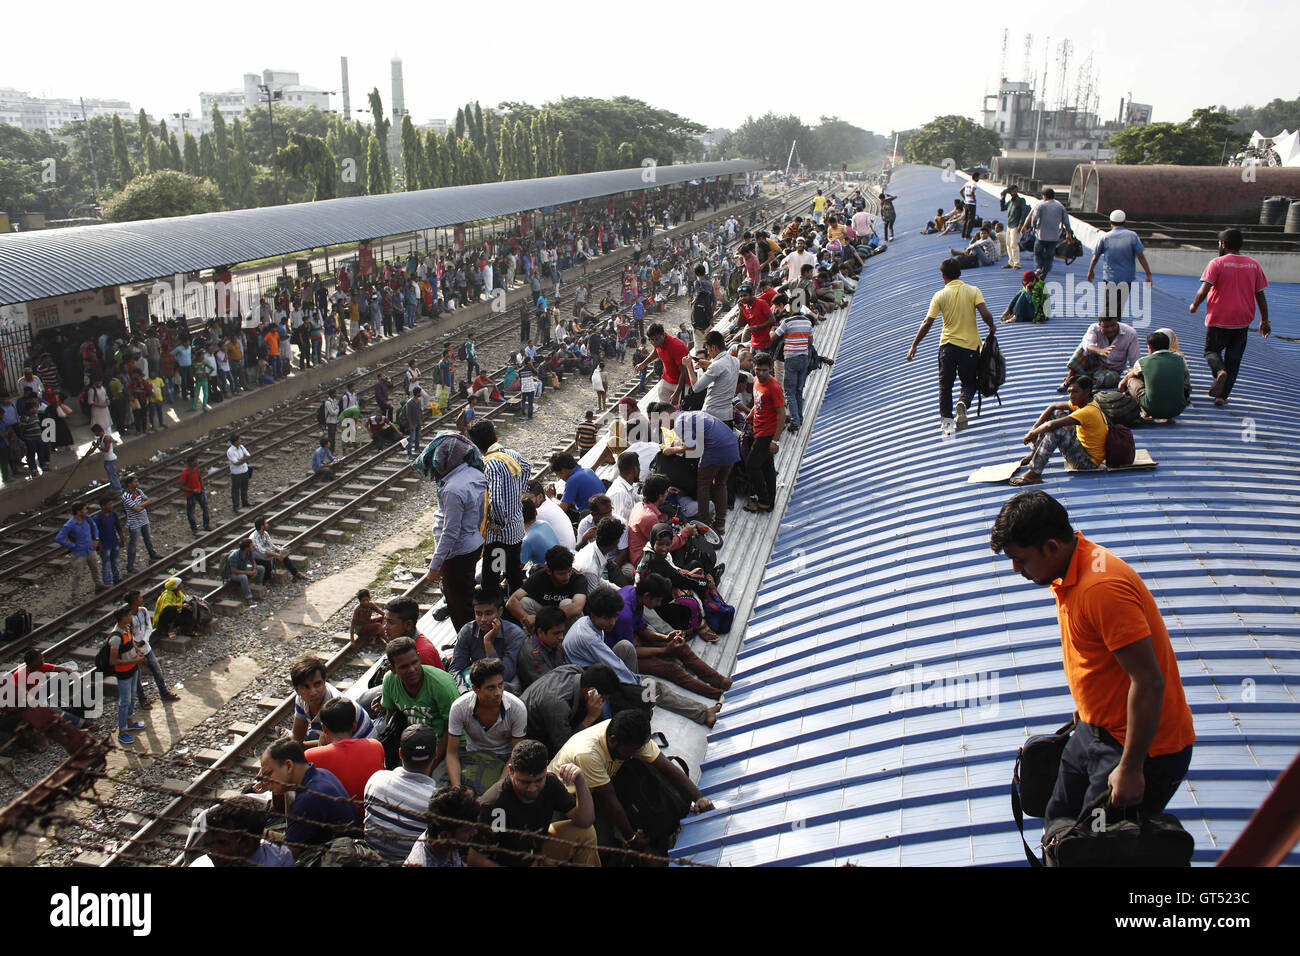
600	752
959	343
1083	445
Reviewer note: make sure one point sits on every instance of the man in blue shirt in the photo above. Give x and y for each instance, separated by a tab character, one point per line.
321	810
80	537
580	484
458	527
322	462
713	446
538	538
1118	249
108	527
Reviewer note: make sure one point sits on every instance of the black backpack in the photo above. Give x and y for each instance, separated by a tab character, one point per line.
652	804
1120	408
18	624
990	372
320	414
103	658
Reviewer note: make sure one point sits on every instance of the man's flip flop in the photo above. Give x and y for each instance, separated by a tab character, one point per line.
1021	480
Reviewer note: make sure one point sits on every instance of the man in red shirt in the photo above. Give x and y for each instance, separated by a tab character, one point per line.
1235	285
675	355
768	416
351	760
400	617
757	314
195	496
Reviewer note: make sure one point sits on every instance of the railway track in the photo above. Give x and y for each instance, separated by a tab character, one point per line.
30	539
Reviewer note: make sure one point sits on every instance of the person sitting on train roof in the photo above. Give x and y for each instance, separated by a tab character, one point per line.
1107	350
1078	428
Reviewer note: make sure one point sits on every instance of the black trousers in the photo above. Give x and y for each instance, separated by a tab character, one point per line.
1224	350
1092	754
458	586
954	362
761	470
968	223
502	561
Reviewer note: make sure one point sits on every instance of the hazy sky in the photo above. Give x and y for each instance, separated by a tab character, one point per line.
886	66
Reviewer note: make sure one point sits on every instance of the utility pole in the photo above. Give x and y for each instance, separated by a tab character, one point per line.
1042	105
790	158
265	90
85	123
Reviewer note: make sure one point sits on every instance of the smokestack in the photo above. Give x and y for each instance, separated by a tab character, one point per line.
399	97
347	99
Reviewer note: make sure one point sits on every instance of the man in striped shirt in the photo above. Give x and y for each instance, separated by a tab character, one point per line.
507	475
137	522
397	801
796	329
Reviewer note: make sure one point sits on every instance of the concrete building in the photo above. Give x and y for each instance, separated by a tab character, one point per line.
1068	133
233	103
32	113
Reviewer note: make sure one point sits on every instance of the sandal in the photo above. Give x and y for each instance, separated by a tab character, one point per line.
1030	478
752	508
707	634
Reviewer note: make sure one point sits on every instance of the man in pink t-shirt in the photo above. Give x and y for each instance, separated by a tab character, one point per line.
1235	285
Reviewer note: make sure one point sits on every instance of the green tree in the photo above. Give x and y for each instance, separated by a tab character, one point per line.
412	156
144	135
207	158
958	138
309	158
558	169
174	153
1200	140
221	151
122	170
375	166
161	194
18	186
191	161
459	124
151	161
241	168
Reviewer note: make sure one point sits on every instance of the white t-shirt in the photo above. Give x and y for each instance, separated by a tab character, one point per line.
554	515
233	454
511	722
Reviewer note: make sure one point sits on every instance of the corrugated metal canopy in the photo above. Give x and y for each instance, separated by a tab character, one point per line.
34	265
883	564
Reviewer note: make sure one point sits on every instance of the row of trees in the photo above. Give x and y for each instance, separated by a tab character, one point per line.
829	144
296	155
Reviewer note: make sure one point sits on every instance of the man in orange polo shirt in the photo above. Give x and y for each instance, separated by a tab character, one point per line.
1135	729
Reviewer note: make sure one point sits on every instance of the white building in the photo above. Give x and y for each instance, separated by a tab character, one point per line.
233	103
439	126
32	113
1068	133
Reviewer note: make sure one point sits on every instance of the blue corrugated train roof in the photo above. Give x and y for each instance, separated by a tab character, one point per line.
882	563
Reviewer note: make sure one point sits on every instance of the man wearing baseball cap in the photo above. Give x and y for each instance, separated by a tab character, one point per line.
397	801
1120	247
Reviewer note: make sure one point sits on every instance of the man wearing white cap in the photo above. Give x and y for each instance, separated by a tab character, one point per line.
1120	247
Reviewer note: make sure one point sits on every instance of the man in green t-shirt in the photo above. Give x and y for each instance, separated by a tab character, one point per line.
424	694
1160	381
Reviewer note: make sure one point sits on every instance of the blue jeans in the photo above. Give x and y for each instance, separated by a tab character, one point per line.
316	346
135	535
413	446
108	564
245	584
155	412
796	374
126	684
526	403
154	668
1087	761
110	469
1044	253
410	315
201	500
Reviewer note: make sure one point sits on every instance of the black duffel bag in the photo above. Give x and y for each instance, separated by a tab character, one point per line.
1038	763
1137	839
653	805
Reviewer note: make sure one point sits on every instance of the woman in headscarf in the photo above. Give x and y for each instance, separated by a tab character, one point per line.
1030	303
684	613
171	611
